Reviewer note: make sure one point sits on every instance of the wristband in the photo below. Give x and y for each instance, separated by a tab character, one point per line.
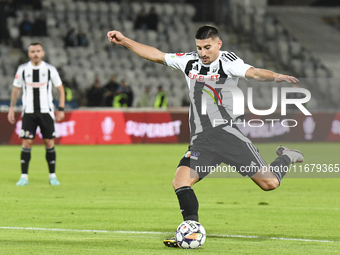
60	108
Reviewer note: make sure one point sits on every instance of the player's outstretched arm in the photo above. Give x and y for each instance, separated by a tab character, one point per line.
145	51
267	75
14	98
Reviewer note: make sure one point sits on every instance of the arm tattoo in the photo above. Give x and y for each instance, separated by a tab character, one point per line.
14	98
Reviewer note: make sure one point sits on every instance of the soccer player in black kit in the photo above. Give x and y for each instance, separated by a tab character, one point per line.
213	143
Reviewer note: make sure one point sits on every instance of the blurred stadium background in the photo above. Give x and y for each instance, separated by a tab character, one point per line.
299	40
118	199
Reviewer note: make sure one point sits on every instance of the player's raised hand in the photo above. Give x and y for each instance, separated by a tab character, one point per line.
115	37
286	78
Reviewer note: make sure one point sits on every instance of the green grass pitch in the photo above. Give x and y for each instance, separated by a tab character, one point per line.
127	188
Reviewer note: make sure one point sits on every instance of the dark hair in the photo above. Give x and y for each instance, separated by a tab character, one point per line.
35	43
205	32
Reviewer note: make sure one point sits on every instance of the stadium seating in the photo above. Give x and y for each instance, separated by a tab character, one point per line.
282	50
257	37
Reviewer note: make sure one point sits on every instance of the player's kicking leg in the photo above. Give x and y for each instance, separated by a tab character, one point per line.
171	242
270	177
294	155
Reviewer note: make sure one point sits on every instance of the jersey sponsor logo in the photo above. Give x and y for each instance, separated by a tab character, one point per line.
214	77
36	84
16	76
180	54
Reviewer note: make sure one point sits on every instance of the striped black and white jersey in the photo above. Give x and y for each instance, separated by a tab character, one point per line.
36	83
209	101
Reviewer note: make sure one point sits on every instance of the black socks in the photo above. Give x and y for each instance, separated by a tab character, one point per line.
188	203
279	167
51	157
25	159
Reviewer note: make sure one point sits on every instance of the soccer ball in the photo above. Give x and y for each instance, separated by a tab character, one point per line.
190	235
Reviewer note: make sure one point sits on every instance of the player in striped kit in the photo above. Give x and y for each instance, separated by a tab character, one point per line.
214	142
35	78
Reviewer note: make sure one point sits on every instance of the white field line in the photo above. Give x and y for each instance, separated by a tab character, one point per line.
167	233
